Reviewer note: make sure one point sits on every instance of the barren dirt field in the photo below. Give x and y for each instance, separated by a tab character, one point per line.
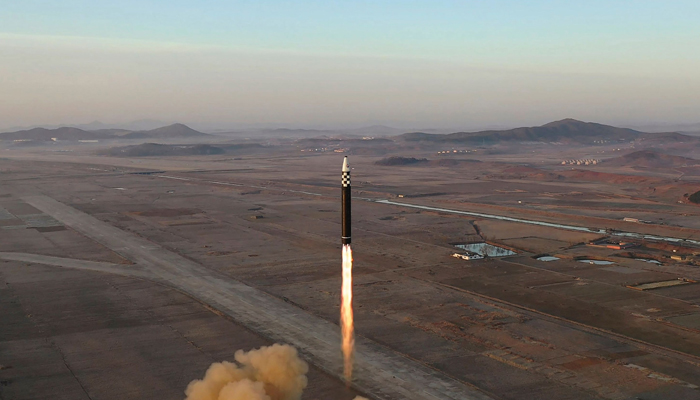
124	278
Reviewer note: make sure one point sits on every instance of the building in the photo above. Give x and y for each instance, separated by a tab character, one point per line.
620	245
612	244
468	256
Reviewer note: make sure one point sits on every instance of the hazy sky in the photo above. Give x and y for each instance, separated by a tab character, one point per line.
409	63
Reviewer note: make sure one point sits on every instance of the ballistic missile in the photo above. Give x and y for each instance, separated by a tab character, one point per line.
345	181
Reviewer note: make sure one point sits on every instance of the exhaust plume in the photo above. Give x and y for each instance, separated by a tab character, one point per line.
346	315
269	373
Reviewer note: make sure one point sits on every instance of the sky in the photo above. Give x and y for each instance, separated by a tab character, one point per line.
307	63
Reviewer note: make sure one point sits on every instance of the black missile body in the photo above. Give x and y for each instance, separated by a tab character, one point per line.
345	181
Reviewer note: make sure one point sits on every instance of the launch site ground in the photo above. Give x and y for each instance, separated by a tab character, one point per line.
125	278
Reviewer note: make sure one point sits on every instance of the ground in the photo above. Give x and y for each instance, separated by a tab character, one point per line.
170	257
89	335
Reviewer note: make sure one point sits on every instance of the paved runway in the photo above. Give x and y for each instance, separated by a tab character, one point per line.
117	269
380	372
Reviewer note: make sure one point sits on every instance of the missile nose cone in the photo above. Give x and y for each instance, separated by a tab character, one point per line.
346	168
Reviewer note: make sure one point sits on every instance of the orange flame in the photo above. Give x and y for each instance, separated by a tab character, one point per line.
346	317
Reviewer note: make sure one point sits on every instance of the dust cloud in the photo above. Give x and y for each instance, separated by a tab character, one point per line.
269	373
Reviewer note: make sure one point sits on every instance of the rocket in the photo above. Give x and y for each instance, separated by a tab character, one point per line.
345	182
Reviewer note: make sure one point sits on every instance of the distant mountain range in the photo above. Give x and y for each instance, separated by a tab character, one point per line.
569	131
140	125
43	134
68	133
566	131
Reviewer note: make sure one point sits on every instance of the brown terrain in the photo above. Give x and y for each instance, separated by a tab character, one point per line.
123	276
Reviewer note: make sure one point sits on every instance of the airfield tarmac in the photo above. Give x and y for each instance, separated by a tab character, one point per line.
514	327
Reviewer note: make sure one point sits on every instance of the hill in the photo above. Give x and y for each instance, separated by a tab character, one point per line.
154	149
71	133
165	132
112	132
695	197
668	127
43	134
400	161
651	159
566	130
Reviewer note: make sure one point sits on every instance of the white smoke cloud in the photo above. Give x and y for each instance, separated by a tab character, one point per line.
269	373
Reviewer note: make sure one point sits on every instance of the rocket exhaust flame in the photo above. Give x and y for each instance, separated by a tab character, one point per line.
346	315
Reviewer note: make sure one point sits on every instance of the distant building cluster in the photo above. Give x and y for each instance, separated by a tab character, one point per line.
587	161
325	149
453	151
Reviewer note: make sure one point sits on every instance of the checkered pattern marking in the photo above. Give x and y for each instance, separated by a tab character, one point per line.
346	179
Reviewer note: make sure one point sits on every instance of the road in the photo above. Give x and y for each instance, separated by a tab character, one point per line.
542	223
117	269
379	371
